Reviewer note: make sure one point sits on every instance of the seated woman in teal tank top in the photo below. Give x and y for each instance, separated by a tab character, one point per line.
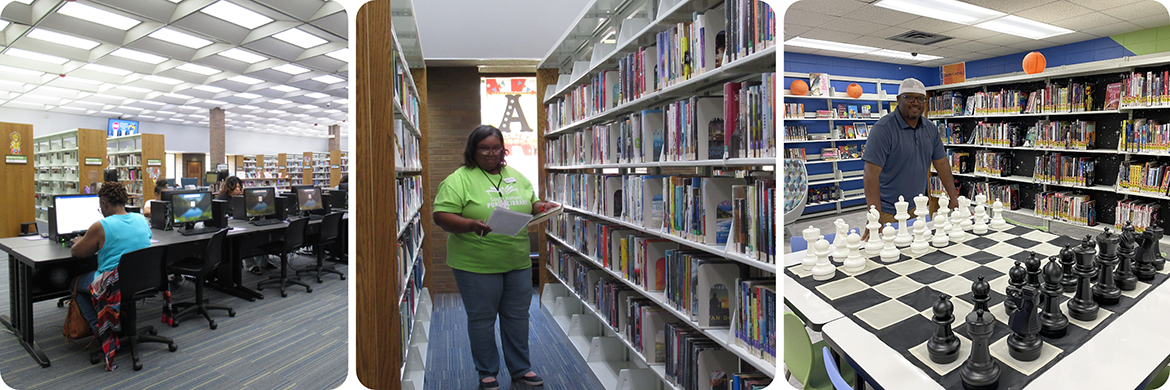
120	232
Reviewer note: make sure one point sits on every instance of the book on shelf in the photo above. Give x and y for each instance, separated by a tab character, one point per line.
819	84
1112	96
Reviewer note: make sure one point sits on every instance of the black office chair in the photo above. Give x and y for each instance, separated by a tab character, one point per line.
330	226
294	238
199	268
140	275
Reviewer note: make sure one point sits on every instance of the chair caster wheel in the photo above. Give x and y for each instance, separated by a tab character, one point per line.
153	332
231	313
319	281
137	366
174	323
94	359
342	277
309	289
173	347
60	304
283	294
214	325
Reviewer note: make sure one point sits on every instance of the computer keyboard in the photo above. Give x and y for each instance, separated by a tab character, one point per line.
313	217
202	230
265	222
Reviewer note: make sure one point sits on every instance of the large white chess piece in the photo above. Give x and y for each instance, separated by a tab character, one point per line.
980	219
940	219
982	199
903	237
874	246
997	221
839	246
921	209
854	263
957	235
889	252
941	238
965	209
823	270
810	254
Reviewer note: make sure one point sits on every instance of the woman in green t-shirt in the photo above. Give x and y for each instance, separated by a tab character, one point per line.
493	271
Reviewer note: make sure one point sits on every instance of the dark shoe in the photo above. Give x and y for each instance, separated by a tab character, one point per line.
534	380
493	385
256	271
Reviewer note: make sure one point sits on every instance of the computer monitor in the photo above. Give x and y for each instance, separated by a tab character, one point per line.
309	198
190	207
212	178
260	201
76	213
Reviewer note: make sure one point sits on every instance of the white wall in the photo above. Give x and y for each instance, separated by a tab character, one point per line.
178	138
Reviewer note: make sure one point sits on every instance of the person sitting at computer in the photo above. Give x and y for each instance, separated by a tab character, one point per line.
344	180
233	186
160	185
117	233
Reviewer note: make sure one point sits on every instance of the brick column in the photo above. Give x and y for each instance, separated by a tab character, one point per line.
218	134
335	142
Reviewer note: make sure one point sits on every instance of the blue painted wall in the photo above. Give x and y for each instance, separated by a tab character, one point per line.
809	63
1073	53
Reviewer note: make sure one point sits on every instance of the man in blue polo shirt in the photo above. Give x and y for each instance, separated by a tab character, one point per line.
899	152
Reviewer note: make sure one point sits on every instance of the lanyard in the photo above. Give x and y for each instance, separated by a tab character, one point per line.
495	184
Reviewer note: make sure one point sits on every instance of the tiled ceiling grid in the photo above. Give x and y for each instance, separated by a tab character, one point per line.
274	66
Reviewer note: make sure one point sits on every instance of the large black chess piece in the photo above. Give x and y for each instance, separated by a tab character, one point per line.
1081	306
1067	259
1053	323
1024	344
1143	266
1016	281
1032	263
980	294
943	346
1123	276
1105	292
981	370
1159	261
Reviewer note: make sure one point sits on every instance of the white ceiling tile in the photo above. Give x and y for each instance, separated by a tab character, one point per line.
792	30
806	18
999	51
881	16
1054	11
1104	4
971	33
1087	21
1116	28
828	7
1008	6
853	26
1152	21
1004	39
934	25
1137	10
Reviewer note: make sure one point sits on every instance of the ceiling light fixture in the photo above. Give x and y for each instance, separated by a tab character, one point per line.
316	95
179	38
947	10
279	101
236	14
828	45
133	89
247	107
199	69
290	69
97	15
329	79
285	88
152	102
217	102
208	88
178	96
340	55
138	56
242	55
248	96
300	38
1022	27
245	80
163	80
67	40
307	107
14	70
106	69
32	55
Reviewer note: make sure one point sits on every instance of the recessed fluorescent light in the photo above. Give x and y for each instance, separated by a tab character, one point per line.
290	69
82	80
329	79
249	116
828	45
163	80
88	103
246	95
11	70
208	88
113	113
903	55
307	106
285	88
215	102
247	107
276	112
67	40
106	69
97	15
316	95
301	115
32	55
178	96
130	108
3	24
237	15
341	101
280	101
342	54
332	111
300	38
152	102
242	55
946	10
245	80
71	108
146	116
1022	27
200	69
179	38
166	112
173	119
138	56
27	105
134	89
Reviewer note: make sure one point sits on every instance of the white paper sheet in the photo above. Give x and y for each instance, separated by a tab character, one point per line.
507	222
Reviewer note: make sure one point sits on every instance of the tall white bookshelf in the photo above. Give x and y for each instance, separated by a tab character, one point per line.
66	163
601	160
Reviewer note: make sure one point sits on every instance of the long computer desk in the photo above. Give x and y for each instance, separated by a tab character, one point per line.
40	270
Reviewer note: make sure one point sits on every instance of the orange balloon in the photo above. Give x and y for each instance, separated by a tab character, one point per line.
1034	63
798	87
853	90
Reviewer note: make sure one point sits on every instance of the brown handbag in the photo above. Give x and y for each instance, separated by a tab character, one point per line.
76	327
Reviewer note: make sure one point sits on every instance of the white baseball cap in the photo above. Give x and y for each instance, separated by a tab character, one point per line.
911	85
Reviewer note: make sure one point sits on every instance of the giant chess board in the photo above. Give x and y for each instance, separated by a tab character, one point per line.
894	300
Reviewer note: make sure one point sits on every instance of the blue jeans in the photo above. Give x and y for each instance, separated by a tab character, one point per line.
508	296
85	300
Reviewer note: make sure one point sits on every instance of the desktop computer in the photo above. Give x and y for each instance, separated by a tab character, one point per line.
219	214
72	215
309	201
238	210
190	208
260	206
339	199
160	215
283	204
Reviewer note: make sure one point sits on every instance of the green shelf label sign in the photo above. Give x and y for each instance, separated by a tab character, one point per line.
94	161
15	159
154	163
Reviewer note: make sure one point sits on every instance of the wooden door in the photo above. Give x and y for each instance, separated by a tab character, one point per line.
195	169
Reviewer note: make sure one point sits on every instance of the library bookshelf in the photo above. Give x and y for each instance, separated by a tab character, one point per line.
140	159
263	171
292	167
66	163
1089	142
828	129
618	142
393	301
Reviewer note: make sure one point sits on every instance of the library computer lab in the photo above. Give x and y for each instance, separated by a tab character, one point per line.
973	194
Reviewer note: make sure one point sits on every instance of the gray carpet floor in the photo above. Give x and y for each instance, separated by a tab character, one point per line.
296	342
449	364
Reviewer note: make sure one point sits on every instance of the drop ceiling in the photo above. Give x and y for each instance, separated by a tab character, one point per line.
274	66
860	23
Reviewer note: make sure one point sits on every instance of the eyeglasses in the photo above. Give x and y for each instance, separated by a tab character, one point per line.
916	99
490	151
